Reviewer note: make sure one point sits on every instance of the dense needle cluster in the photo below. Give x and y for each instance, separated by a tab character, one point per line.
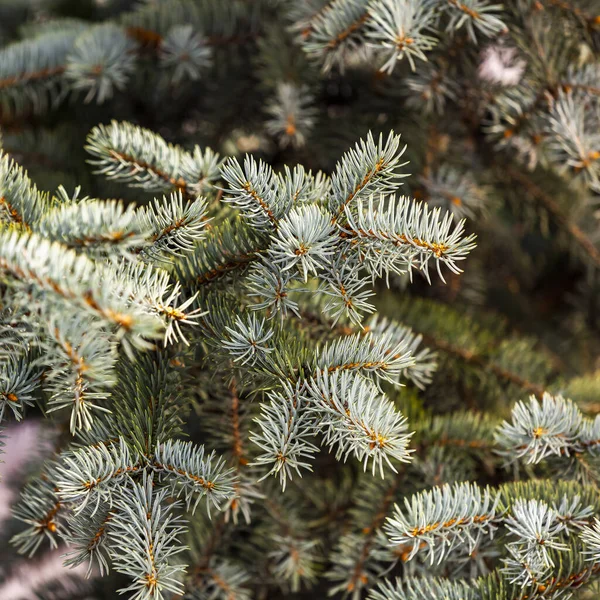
272	348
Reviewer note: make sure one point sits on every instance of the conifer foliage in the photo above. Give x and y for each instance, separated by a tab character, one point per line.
275	347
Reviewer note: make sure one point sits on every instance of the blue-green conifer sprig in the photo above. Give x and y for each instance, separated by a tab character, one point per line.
202	170
401	30
136	156
210	583
538	530
395	237
175	226
100	228
476	16
194	474
78	363
423	360
377	355
573	137
248	342
41	512
149	528
140	158
424	588
93	475
254	190
89	498
273	289
19	381
541	529
348	290
287	431
295	560
299	186
158	296
334	31
185	54
31	71
129	304
355	418
88	540
539	430
22	202
291	115
370	168
101	61
453	190
369	415
591	538
437	521
305	241
62	274
71	55
573	512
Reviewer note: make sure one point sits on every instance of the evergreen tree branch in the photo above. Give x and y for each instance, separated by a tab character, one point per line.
439	520
192	475
145	526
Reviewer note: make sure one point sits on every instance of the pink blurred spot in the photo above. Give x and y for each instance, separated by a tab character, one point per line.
501	65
